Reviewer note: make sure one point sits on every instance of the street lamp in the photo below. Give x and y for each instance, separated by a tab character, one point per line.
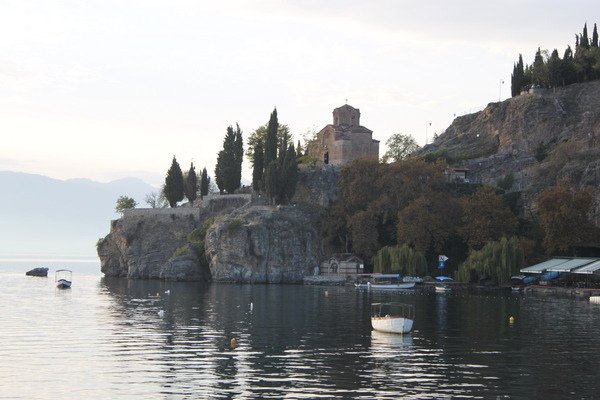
427	125
500	95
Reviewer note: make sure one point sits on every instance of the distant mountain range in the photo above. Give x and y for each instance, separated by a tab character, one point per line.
41	216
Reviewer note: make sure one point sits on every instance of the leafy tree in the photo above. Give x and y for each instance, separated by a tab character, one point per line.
498	260
204	183
124	203
486	218
427	223
399	147
563	215
400	259
258	167
173	188
190	187
260	135
365	236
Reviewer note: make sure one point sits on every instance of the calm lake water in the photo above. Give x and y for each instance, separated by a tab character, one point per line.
115	338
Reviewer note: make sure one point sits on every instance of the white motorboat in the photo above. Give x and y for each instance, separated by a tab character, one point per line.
392	317
63	278
383	282
442	287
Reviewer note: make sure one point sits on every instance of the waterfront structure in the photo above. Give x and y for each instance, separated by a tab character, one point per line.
345	140
342	264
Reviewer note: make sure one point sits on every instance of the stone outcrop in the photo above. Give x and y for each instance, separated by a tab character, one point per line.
537	139
141	246
317	185
263	244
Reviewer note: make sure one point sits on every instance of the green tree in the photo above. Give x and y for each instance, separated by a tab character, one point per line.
173	188
563	215
498	260
299	150
518	77
583	39
539	72
595	37
258	167
486	218
554	70
289	174
399	147
124	203
228	168
190	187
260	135
271	139
271	181
401	259
204	183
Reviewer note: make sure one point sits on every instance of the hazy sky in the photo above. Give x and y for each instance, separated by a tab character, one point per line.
114	88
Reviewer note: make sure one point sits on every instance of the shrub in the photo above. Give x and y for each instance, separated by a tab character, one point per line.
498	260
181	251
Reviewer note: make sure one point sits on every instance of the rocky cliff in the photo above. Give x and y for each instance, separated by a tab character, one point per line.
263	244
244	243
535	139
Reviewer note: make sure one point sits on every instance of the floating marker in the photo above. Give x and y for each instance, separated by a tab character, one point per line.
511	320
251	306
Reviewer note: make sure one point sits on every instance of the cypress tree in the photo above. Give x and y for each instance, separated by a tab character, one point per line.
238	155
271	180
226	170
584	41
190	188
258	167
554	69
299	150
289	174
204	182
595	37
271	140
174	184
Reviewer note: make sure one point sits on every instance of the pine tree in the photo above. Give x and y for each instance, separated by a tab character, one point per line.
174	184
271	141
299	150
190	187
595	37
554	69
258	167
539	73
204	182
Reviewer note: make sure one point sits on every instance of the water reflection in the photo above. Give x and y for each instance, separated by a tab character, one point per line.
152	339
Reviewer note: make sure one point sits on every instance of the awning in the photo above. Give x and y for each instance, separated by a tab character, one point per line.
589	269
571	264
544	266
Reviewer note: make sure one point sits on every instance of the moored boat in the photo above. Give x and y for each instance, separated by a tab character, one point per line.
392	317
63	278
383	282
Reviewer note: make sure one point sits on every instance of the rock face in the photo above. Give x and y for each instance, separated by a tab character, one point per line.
142	246
537	139
317	185
40	271
262	244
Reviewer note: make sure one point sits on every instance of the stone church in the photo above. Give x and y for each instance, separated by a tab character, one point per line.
345	140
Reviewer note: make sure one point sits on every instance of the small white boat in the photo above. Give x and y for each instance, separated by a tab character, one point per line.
63	278
392	317
383	282
442	287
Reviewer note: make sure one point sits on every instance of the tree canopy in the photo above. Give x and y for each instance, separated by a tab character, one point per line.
124	203
399	147
228	171
190	187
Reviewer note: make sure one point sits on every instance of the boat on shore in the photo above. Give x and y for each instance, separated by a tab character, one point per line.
442	284
392	317
383	282
63	278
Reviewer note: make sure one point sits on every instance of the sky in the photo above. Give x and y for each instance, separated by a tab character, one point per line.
110	89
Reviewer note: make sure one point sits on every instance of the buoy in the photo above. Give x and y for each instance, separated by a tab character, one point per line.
233	343
161	313
326	293
511	320
251	306
167	292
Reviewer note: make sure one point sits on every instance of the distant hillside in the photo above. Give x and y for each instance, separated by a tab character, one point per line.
45	216
535	139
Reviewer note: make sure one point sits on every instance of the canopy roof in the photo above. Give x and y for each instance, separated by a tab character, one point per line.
566	264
